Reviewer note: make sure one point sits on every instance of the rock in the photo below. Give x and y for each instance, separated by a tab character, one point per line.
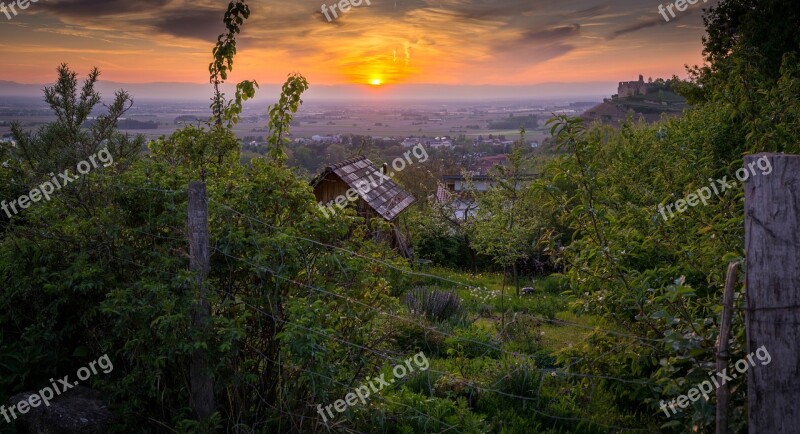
78	410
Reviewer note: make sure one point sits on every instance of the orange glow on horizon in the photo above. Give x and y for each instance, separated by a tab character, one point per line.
421	43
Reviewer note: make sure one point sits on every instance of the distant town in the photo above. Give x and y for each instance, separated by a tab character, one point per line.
324	132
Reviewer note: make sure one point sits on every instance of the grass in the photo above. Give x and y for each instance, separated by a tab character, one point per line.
488	348
557	337
541	332
547	302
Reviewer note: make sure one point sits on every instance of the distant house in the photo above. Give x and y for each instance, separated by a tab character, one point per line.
456	205
485	164
474	181
410	142
486	141
326	139
455	191
377	195
440	142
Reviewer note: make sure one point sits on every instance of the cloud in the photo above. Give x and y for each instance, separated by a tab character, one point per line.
99	8
204	24
548	35
591	12
537	45
636	27
657	21
402	41
543	54
491	9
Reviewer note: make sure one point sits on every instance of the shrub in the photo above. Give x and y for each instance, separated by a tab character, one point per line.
471	342
515	376
523	333
413	337
550	285
485	311
435	305
403	411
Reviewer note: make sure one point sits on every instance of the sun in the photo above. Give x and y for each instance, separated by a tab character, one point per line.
376	82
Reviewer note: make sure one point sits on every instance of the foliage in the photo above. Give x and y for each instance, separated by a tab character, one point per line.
504	229
765	30
662	279
522	332
435	305
471	342
304	308
281	115
228	112
434	241
502	226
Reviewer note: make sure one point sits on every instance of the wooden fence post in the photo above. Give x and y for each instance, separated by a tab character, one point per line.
772	244
202	386
722	346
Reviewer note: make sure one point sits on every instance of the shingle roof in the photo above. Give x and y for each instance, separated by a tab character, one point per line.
442	194
385	196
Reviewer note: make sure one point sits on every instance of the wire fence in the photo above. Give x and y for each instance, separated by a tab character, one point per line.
558	372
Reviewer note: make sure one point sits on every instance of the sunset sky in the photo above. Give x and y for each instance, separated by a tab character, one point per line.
456	42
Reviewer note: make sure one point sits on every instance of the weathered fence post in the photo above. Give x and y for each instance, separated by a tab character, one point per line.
772	244
202	386
722	346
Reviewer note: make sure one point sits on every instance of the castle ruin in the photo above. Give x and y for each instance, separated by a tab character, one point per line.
631	88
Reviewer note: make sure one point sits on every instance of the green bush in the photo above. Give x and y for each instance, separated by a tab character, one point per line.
414	336
435	305
405	412
471	342
550	285
522	332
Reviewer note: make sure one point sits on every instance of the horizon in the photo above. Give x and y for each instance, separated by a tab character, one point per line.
194	92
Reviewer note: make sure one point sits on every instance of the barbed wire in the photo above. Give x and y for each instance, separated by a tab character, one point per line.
311	372
478	387
432	329
408	272
347	386
418	274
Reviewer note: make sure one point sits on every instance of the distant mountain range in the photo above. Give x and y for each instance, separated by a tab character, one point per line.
410	92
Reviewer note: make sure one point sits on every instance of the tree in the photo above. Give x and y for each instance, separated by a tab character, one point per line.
748	44
457	213
64	143
762	30
504	228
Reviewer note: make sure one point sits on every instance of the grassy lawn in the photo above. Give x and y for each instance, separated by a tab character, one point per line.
486	303
557	337
512	345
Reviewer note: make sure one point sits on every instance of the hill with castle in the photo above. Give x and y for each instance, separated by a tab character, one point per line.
647	100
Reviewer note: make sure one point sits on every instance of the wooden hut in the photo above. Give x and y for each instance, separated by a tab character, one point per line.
360	184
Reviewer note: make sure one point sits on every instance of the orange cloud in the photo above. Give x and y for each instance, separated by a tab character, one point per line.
467	42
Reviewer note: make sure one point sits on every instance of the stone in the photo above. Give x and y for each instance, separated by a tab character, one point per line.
78	410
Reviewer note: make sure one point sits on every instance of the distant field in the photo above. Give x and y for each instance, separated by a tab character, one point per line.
325	121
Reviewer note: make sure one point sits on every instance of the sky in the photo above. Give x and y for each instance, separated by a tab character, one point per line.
394	43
